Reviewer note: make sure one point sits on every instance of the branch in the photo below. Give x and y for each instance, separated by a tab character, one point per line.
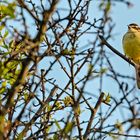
115	51
116	134
46	16
93	113
22	4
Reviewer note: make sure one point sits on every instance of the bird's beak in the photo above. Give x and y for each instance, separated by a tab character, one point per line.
128	27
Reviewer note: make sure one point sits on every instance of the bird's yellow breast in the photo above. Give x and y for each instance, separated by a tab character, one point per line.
131	45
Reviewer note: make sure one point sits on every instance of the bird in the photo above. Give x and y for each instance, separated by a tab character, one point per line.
131	47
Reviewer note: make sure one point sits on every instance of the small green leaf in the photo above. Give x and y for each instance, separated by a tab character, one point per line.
107	98
1	27
68	127
57	124
103	71
4	84
58	105
108	6
68	101
7	10
5	34
2	90
55	137
65	52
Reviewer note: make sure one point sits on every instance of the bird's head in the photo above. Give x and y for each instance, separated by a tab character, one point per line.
133	27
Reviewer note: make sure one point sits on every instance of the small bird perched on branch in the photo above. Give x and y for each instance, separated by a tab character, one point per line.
131	47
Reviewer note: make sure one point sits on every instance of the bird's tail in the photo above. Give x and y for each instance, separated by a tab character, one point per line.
137	67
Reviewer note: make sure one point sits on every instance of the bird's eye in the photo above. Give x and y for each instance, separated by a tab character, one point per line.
135	27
